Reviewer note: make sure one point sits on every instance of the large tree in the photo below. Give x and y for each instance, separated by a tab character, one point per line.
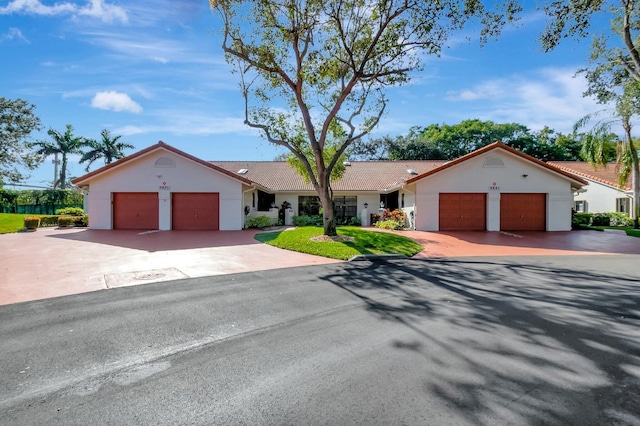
448	142
613	72
108	148
17	121
313	72
62	144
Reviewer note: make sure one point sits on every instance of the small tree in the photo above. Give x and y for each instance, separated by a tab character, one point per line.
329	63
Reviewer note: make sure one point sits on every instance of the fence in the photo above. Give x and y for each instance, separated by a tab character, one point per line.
36	208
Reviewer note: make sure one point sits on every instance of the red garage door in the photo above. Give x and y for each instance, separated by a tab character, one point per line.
463	212
195	211
135	210
523	212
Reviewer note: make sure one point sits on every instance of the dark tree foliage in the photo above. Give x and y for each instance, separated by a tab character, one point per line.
17	121
448	142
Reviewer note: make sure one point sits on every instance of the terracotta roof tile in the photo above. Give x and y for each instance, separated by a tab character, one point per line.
359	176
604	174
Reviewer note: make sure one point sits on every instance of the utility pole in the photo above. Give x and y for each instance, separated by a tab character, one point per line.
55	162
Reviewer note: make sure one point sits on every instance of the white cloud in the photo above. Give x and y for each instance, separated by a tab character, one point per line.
93	8
544	97
115	101
13	33
104	11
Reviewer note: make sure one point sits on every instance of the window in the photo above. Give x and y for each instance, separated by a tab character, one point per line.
308	205
623	205
580	206
265	201
345	208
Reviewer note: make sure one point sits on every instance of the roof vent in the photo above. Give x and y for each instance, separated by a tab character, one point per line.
243	171
493	162
164	162
412	172
346	163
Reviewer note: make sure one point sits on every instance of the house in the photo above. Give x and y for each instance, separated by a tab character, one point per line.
603	194
493	188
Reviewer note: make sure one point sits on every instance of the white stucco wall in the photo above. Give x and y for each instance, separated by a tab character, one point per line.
600	198
472	176
141	175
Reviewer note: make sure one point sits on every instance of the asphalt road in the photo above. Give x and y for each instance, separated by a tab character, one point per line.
443	342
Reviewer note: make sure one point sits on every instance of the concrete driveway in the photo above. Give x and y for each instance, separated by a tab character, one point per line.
58	262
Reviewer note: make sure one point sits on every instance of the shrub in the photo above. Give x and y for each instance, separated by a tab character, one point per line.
620	219
70	211
582	219
66	221
390	224
31	222
259	222
82	221
48	221
390	220
307	220
354	221
601	219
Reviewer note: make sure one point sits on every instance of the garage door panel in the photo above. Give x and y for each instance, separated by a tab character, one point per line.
523	212
135	210
195	211
462	212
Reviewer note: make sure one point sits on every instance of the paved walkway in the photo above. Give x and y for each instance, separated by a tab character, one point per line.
58	262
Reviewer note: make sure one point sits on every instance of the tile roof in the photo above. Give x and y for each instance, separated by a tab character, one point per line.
359	176
500	145
607	175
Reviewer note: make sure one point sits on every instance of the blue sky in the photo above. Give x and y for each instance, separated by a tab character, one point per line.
154	70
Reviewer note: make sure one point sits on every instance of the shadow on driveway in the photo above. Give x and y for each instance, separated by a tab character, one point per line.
153	241
510	342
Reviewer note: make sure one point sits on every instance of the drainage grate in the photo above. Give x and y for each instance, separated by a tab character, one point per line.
143	277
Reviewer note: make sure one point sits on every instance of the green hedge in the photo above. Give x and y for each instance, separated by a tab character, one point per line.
66	221
70	211
315	220
32	222
260	222
601	219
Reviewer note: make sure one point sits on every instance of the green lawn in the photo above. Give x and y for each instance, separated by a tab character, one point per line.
628	229
364	242
10	222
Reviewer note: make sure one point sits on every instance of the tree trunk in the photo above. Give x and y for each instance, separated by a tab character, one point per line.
328	216
635	184
63	172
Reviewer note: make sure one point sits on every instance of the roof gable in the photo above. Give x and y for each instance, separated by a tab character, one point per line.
159	146
508	149
606	175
